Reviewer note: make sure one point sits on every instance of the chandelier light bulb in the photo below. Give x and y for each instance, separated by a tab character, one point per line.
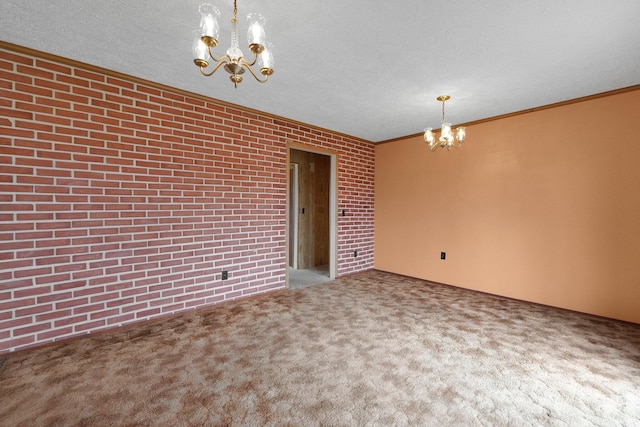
255	34
445	133
429	138
461	133
266	60
209	21
200	50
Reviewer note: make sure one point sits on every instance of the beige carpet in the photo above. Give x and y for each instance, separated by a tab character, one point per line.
371	349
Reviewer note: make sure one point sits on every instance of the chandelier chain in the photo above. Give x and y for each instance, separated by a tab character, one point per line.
235	11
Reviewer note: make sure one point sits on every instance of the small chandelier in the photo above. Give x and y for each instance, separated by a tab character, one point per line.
206	38
447	139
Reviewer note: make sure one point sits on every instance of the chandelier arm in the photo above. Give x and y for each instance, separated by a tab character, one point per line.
217	59
220	64
255	59
255	76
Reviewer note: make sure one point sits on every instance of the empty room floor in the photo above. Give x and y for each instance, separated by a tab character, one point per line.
372	348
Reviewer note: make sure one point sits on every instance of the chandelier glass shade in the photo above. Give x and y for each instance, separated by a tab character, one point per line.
448	138
233	61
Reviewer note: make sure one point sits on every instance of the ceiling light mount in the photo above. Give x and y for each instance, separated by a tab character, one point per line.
233	61
447	138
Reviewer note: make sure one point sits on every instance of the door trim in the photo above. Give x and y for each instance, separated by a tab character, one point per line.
293	213
333	204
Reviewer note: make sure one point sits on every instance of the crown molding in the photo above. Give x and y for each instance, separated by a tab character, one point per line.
527	111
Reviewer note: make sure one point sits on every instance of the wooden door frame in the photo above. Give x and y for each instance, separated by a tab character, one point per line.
292	207
333	203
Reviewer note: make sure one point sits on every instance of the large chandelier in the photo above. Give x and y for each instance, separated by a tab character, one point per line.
447	139
233	61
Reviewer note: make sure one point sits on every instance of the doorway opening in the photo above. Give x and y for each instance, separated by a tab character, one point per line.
311	216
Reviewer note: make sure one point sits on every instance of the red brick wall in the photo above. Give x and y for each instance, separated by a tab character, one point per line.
122	201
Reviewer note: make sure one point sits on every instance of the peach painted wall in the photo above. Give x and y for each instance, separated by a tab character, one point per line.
542	207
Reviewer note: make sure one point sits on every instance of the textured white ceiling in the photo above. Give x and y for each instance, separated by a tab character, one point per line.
366	68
